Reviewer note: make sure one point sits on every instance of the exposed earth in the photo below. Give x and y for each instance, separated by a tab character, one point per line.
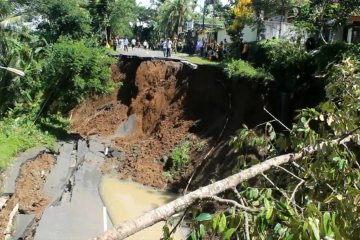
160	105
29	193
166	103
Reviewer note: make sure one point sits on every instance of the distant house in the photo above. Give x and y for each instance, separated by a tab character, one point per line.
278	27
349	33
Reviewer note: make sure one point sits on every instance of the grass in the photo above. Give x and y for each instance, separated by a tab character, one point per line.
200	61
180	155
242	69
16	137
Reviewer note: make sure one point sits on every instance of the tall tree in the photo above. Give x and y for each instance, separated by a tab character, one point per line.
64	18
172	15
121	16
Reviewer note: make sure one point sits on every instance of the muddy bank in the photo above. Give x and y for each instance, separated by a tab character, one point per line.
162	104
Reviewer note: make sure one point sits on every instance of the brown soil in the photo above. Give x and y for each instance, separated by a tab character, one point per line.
29	187
171	102
160	125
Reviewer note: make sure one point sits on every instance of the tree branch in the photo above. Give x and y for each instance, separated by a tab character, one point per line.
148	219
231	202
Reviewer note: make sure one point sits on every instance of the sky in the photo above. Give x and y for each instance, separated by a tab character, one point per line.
147	2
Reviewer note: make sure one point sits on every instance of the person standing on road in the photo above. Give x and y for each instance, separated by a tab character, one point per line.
164	47
168	46
146	45
133	43
115	43
126	43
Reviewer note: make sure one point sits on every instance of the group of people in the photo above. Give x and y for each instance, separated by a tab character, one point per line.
167	47
212	49
122	44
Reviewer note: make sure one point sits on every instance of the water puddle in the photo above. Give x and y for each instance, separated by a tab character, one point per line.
126	200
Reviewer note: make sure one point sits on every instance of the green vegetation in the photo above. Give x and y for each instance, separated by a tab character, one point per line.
200	61
180	156
238	69
62	66
17	136
86	74
315	198
64	18
288	62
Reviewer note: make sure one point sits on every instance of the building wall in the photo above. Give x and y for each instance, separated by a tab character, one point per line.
277	29
222	34
249	35
338	35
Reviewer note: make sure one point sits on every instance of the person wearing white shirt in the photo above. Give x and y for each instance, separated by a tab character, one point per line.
168	46
133	43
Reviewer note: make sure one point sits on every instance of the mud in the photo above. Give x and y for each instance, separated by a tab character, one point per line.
171	102
29	189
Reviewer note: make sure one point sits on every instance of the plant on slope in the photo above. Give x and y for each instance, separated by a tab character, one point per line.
316	199
73	72
180	155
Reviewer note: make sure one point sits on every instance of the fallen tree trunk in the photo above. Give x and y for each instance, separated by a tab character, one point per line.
128	228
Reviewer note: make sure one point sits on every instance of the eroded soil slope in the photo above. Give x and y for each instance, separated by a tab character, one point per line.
157	102
159	105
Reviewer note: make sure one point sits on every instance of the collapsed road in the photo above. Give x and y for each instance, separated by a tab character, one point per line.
160	105
75	209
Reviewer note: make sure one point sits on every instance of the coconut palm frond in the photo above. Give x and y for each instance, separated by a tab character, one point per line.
12	20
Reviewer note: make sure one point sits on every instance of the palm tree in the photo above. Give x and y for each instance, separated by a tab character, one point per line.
179	13
173	15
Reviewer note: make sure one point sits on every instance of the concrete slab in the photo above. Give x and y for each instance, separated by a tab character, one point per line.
82	217
3	201
127	127
113	152
12	174
22	223
96	148
81	151
60	173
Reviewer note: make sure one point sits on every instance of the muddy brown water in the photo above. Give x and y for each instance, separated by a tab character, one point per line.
126	200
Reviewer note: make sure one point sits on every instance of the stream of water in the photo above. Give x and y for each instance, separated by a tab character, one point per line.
125	200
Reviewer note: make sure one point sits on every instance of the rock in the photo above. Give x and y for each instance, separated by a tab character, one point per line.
127	127
97	148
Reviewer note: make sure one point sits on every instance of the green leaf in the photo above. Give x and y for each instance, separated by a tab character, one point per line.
193	236
201	230
222	223
303	120
228	233
269	212
326	224
203	217
314	226
215	221
272	135
335	228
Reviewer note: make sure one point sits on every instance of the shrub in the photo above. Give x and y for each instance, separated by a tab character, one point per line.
180	155
73	72
241	69
331	54
19	135
288	62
